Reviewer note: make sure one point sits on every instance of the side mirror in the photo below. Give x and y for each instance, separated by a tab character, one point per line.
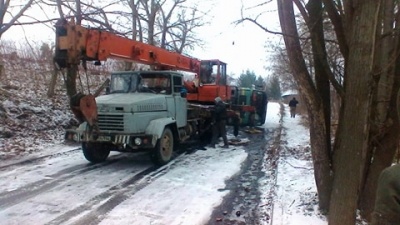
183	92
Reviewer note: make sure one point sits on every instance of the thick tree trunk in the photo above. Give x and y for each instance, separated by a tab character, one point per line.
321	65
386	133
312	101
315	25
321	159
70	81
350	156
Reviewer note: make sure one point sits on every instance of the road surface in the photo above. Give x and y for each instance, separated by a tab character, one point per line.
200	186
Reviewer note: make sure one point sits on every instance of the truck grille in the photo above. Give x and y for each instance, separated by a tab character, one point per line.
150	107
111	122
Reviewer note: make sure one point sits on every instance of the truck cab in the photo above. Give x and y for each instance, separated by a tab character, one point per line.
143	110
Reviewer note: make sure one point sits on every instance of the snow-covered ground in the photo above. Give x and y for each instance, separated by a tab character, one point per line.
295	202
182	192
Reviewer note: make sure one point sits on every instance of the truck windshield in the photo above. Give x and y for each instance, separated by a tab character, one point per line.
123	83
155	83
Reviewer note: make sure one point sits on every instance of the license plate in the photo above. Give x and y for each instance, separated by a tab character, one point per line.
104	138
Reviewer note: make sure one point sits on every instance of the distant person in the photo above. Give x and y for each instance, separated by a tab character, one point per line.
292	104
387	201
219	123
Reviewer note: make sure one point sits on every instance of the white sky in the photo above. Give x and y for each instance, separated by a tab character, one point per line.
247	52
185	192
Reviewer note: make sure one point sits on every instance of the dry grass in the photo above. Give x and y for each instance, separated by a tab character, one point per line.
29	120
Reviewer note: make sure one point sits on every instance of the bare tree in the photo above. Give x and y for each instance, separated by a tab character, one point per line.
182	35
177	26
372	125
170	25
91	11
384	132
18	10
313	102
165	20
279	65
13	11
363	74
151	10
136	28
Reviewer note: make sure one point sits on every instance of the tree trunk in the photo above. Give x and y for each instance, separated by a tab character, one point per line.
350	156
386	132
52	84
72	71
1	72
321	65
321	158
151	20
70	81
312	101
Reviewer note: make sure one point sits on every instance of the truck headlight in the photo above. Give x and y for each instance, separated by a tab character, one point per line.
138	141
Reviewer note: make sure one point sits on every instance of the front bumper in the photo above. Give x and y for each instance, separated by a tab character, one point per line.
134	141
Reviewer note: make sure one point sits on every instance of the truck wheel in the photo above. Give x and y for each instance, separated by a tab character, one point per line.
95	152
162	153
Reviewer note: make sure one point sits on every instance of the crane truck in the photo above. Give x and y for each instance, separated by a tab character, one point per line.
143	110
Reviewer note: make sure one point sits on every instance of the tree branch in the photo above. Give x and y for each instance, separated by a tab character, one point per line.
5	27
336	20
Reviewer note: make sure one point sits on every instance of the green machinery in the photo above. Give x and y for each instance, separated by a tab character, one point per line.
251	103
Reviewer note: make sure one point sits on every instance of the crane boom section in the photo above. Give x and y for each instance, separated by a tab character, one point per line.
75	43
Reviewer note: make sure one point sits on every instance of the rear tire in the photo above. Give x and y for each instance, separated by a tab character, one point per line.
95	152
164	149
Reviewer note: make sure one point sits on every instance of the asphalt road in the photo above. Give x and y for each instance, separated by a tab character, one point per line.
242	204
45	190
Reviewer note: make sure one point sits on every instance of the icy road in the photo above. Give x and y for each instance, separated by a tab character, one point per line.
200	186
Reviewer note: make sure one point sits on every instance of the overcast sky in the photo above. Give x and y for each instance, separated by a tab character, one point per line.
241	46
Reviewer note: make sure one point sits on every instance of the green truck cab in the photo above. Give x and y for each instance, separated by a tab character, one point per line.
251	105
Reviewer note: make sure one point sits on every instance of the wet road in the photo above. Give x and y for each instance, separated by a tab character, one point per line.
63	188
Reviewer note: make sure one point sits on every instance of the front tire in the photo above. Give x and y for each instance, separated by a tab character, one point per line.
95	152
162	153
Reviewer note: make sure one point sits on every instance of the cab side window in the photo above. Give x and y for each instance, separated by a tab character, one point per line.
178	84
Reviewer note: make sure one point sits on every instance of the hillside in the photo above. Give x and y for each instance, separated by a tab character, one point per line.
29	120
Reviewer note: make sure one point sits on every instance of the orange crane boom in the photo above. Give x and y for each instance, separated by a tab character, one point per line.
75	43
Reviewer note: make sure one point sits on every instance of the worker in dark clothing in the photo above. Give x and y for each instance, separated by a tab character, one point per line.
292	104
236	123
387	201
219	123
